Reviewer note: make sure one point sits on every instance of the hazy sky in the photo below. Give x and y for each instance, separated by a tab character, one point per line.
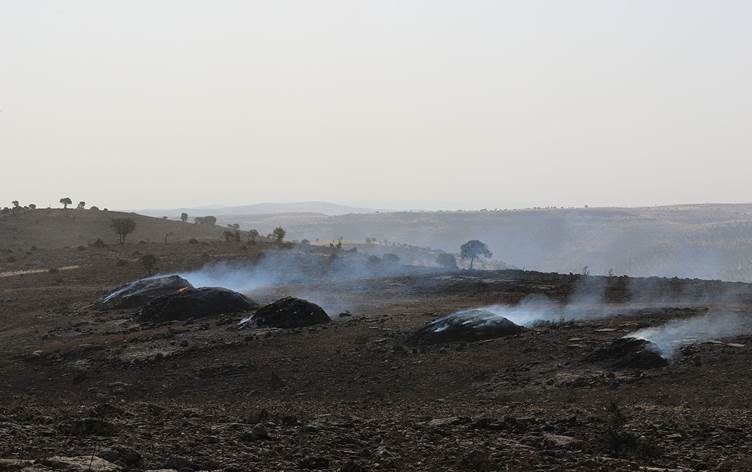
399	104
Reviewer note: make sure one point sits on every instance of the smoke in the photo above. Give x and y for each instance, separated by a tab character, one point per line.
675	334
537	309
301	273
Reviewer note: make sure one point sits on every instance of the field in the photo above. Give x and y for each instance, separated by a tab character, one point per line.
704	241
356	394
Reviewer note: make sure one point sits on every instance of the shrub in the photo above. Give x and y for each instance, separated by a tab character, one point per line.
150	262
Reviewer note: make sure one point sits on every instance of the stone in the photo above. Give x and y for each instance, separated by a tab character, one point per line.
195	303
288	313
140	292
466	326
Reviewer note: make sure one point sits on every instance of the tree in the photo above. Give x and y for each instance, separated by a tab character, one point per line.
81	205
123	227
279	234
15	204
184	217
252	235
32	206
447	261
150	262
473	249
65	201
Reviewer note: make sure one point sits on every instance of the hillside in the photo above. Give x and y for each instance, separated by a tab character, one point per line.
321	208
52	228
706	241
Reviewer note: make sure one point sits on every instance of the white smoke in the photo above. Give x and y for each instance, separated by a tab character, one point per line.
675	334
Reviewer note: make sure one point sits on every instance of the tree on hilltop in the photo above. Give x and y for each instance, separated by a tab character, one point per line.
65	201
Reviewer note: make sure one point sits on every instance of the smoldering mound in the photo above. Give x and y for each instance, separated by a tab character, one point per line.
629	352
464	326
137	293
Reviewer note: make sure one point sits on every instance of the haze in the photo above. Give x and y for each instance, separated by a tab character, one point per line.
420	104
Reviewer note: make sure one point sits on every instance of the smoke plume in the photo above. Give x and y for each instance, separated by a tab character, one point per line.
675	334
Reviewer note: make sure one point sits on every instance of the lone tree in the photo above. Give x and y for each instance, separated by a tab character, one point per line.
472	249
279	234
150	262
184	217
81	205
252	235
447	261
65	201
123	227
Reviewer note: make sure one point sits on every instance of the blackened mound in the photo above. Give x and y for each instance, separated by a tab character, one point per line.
289	312
195	303
466	326
139	292
629	352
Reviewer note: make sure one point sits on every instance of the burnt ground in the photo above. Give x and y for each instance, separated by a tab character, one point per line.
354	394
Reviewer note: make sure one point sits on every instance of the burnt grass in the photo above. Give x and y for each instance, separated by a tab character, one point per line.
353	394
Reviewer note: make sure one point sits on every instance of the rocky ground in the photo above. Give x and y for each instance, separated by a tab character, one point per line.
83	389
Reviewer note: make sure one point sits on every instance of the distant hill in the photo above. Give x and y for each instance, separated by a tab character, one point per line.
712	241
321	208
52	228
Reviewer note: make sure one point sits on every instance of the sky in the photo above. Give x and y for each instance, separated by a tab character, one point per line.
387	104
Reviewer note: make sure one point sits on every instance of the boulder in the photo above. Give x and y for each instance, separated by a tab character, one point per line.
288	312
195	303
628	352
142	291
466	326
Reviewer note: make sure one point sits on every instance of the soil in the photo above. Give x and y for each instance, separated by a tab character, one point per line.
201	394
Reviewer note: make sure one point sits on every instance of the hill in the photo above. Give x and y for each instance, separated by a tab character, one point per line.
711	241
52	228
321	208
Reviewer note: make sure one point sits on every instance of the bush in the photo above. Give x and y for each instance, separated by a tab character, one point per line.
193	241
99	243
150	262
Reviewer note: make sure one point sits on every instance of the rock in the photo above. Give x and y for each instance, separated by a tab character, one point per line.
558	440
123	456
79	463
258	433
630	352
465	326
106	410
313	462
352	466
88	427
195	303
287	313
443	422
140	292
14	464
477	460
178	463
